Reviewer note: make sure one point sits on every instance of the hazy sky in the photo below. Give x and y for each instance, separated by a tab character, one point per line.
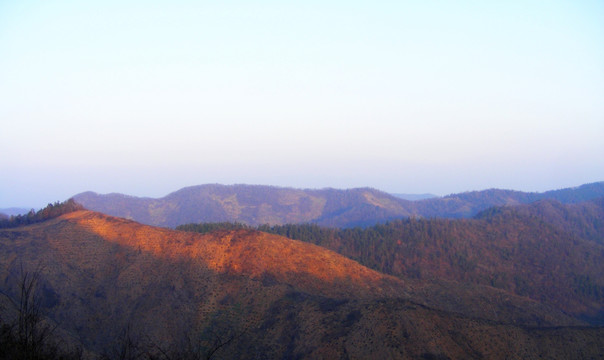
146	97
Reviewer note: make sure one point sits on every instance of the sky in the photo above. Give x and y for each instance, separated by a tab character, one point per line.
147	97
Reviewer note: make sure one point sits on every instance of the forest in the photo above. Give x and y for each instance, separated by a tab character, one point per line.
500	248
51	211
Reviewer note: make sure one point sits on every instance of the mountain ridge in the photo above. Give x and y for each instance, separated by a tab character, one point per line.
13	211
414	197
258	204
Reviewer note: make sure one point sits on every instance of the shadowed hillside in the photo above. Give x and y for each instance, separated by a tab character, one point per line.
509	248
256	205
584	220
247	294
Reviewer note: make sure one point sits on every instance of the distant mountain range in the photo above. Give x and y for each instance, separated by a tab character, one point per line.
415	197
111	287
255	204
13	211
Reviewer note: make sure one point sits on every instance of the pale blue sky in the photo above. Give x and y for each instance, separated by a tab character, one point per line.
146	97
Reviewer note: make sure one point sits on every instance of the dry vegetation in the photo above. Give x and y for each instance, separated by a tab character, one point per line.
126	290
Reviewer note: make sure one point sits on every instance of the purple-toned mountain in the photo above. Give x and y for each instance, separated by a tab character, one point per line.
415	197
254	204
468	204
14	211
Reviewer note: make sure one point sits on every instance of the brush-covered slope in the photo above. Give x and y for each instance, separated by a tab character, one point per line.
111	282
584	220
255	205
550	252
245	252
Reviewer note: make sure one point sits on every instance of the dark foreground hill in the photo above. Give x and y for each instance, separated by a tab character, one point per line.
255	205
117	287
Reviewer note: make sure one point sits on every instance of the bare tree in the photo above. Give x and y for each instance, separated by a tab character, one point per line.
29	335
127	347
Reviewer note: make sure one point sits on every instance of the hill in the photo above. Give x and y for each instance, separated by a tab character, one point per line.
509	248
469	204
252	205
584	220
256	205
113	284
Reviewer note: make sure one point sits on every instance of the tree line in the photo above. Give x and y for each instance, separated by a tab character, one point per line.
51	211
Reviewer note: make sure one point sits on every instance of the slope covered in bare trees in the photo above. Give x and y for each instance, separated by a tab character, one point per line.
113	284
